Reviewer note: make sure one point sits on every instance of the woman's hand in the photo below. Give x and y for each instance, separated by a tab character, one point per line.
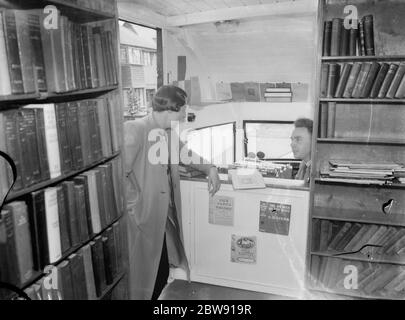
214	183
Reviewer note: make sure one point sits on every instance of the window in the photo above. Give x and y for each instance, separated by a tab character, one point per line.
270	137
215	144
146	58
134	56
124	55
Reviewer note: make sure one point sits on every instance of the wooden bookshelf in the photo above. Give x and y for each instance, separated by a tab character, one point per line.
110	89
361	130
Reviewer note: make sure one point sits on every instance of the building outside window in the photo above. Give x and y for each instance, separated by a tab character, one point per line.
138	68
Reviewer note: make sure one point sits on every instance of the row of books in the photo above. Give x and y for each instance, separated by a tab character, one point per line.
377	280
189	172
84	275
107	6
340	236
50	140
363	80
39	58
362	172
254	92
51	222
353	39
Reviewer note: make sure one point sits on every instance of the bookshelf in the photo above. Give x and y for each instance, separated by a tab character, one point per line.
78	81
347	214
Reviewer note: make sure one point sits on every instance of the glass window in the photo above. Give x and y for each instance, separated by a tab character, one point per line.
134	56
215	144
146	58
271	138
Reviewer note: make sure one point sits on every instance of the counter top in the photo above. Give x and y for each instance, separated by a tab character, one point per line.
289	184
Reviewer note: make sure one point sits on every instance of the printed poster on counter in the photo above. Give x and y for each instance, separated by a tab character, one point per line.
274	218
221	210
244	249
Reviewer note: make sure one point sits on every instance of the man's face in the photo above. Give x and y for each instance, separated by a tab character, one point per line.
301	143
178	116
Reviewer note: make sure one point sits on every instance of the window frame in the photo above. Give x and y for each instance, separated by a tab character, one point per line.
245	140
218	125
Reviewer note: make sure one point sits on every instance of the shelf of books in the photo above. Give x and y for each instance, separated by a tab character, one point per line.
61	229
358	186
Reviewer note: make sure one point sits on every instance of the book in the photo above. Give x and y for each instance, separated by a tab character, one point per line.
110	200
82	180
355	240
345	38
316	235
41	143
330	132
81	212
246	179
347	67
354	35
392	242
400	94
97	255
52	225
89	272
238	91
388	80
375	238
99	56
369	35
19	252
353	230
77	268
64	222
371	77
361	79
325	234
5	83
71	213
103	115
84	132
332	245
351	81
12	49
315	267
327	33
396	81
96	224
100	185
333	79
63	138
362	40
108	261
73	131
336	35
118	245
65	283
380	280
379	80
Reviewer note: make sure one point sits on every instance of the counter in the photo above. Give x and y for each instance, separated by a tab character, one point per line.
279	237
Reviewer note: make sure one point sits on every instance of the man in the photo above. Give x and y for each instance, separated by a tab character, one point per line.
153	195
301	141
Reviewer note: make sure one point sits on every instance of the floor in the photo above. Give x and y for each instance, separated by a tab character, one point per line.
184	290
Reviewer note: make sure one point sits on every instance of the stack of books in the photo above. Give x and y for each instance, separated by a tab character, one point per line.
341	41
363	80
278	94
189	172
361	172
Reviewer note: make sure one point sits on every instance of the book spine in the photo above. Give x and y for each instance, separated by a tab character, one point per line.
369	35
25	51
32	151
81	59
5	83
82	180
371	77
379	80
12	49
107	261
37	51
65	280
37	217
345	38
95	135
98	265
362	48
112	57
74	134
67	55
107	65
343	80
8	248
59	56
388	80
351	81
81	210
396	81
354	34
95	82
86	53
52	225
78	276
89	272
401	90
13	147
99	57
64	147
41	142
84	125
26	158
331	119
71	213
336	36
333	79
96	217
52	144
112	251
361	80
63	221
100	188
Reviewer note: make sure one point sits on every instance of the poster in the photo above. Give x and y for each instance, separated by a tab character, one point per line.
274	218
243	249
221	210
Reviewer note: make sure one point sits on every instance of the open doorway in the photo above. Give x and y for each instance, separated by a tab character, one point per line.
139	67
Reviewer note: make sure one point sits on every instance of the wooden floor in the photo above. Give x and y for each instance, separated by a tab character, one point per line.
183	290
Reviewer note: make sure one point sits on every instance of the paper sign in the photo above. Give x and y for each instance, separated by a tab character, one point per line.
274	218
221	210
243	249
